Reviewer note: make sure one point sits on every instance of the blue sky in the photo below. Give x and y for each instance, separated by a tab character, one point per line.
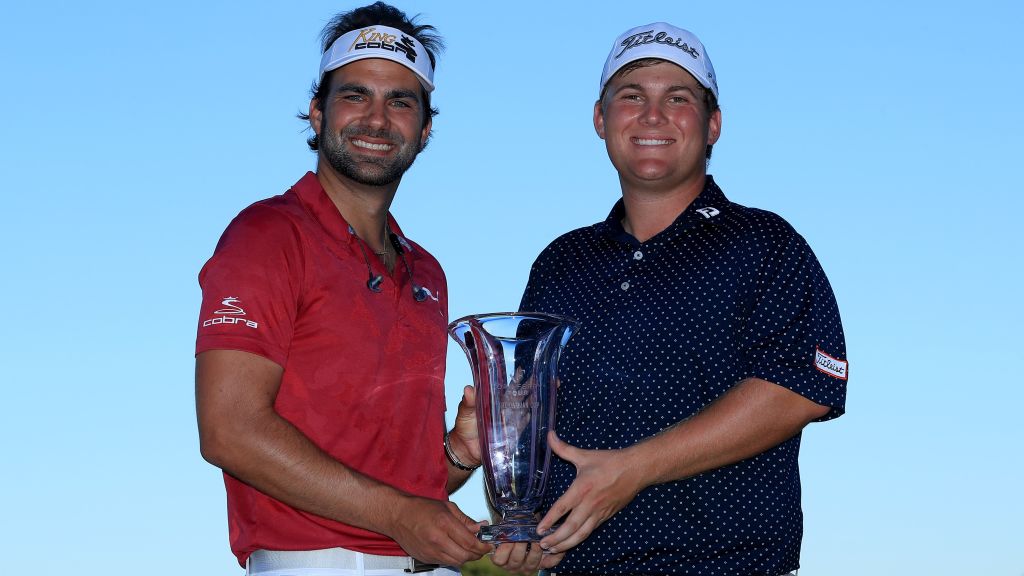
886	133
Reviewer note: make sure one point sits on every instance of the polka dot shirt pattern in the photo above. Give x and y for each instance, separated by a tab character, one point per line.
666	326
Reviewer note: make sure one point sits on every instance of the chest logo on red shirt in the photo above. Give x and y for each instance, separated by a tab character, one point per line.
229	314
426	291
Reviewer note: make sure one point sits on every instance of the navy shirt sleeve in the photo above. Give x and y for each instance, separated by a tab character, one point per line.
795	324
530	301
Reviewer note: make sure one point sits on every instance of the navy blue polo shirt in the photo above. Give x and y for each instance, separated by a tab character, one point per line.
666	326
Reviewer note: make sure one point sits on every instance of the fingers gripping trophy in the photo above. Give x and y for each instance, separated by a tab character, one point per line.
514	361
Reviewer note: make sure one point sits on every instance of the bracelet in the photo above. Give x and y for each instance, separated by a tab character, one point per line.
455	459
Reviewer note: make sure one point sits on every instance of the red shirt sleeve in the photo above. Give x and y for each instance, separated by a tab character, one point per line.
252	285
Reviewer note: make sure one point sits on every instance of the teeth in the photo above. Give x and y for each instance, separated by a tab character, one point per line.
651	142
369	146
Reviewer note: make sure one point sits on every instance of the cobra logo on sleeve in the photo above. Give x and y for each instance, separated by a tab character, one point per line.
230	314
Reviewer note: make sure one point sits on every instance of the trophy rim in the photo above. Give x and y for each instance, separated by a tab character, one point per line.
526	314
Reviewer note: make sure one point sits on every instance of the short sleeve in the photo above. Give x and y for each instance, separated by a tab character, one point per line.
251	286
794	336
531	301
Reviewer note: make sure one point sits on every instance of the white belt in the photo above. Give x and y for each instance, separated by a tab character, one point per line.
337	558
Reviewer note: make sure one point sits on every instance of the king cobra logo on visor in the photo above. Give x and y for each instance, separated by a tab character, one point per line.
370	38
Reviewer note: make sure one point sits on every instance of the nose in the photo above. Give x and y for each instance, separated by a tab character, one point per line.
652	114
377	115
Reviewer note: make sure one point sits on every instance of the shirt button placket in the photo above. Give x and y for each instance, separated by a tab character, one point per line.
636	257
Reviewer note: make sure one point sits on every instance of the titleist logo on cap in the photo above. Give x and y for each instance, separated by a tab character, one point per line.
646	37
660	41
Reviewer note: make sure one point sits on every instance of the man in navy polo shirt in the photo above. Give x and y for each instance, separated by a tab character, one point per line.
709	338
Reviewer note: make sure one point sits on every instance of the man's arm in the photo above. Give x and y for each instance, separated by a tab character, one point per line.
240	432
752	417
464	440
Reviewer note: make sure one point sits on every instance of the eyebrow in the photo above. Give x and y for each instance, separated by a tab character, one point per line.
679	87
361	89
627	87
401	93
357	88
674	88
390	94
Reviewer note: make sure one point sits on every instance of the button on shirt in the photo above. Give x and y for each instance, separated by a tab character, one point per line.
666	326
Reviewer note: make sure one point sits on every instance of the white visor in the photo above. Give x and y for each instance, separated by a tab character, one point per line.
379	42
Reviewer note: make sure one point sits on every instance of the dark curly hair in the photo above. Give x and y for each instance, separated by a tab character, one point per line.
379	14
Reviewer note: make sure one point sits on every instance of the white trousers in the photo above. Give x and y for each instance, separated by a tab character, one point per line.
332	562
443	571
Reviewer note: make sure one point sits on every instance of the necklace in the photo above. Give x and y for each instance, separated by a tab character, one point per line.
385	254
385	243
375	280
391	241
387	235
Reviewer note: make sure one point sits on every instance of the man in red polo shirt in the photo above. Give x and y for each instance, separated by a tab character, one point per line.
321	339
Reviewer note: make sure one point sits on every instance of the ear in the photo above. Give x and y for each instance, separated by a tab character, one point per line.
714	126
316	116
425	132
598	120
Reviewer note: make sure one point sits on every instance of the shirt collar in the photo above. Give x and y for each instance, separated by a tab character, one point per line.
706	208
315	199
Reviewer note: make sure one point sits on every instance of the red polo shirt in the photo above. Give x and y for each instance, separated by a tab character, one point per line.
363	371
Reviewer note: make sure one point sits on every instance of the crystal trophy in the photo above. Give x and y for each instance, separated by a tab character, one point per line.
514	359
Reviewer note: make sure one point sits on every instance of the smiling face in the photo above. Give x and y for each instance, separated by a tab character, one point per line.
656	127
372	124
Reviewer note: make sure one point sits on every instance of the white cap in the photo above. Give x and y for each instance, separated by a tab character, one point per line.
379	42
664	41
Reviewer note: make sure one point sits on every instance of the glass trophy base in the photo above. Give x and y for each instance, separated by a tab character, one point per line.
499	533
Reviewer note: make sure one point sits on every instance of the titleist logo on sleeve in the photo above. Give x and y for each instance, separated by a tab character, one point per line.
832	366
